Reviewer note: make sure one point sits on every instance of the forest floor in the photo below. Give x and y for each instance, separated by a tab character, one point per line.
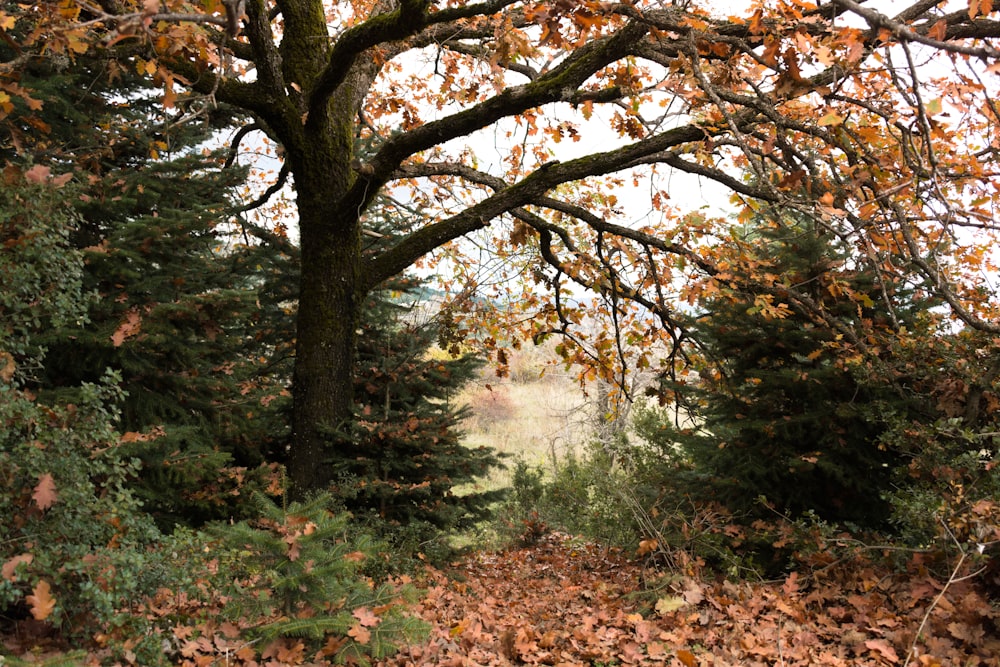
565	601
562	601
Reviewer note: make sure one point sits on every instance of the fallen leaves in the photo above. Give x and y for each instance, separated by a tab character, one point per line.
565	602
9	570
560	602
40	602
45	495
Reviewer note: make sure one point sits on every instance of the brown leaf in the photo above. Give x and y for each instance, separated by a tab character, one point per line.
294	548
11	565
128	327
366	617
38	174
45	494
965	632
7	366
883	648
41	601
62	179
693	593
791	585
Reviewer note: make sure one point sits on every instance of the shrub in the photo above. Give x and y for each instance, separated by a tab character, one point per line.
298	575
590	496
74	542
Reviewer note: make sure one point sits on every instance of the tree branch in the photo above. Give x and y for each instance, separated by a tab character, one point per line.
558	84
408	19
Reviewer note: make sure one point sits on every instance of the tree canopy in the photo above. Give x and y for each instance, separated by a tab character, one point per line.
877	121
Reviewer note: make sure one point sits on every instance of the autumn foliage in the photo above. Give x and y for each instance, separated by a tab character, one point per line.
878	126
542	158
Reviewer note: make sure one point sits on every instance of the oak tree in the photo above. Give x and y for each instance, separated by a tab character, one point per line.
879	122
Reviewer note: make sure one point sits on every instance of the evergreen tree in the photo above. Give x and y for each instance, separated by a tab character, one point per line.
179	313
404	456
780	413
178	317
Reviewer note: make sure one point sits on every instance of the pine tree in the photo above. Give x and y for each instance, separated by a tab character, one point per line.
306	564
176	317
407	456
781	415
179	313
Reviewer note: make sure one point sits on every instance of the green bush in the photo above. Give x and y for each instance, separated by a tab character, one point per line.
74	542
73	523
589	496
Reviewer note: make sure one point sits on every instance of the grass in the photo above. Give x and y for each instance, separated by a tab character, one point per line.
540	420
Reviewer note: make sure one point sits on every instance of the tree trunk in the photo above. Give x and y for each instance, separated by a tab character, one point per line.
328	316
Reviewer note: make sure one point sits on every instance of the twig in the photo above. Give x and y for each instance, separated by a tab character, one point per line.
952	579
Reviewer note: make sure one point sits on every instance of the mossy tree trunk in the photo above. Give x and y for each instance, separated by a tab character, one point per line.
317	134
327	320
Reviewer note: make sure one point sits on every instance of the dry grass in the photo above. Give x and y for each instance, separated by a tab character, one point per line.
540	421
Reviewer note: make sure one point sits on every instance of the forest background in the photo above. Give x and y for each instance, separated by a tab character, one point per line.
226	440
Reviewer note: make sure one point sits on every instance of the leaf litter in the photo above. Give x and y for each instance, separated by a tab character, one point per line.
565	602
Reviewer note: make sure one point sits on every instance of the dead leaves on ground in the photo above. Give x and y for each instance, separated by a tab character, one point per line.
565	602
562	602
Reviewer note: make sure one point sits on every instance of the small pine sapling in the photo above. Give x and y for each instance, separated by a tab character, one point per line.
301	578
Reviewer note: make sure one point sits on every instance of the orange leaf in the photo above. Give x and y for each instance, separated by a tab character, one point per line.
41	601
647	546
359	634
687	657
45	494
292	653
938	30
